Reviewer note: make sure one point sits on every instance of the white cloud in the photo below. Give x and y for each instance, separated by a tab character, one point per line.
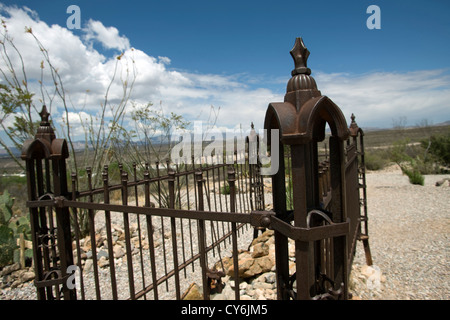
375	98
107	36
378	98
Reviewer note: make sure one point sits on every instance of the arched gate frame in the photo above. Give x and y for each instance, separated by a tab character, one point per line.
325	220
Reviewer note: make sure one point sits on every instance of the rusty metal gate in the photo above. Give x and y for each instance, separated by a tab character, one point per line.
187	217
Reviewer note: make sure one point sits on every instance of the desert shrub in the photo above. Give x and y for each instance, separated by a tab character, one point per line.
439	147
415	177
375	160
412	160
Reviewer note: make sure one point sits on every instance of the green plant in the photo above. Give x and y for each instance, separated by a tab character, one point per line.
7	244
414	160
6	204
375	160
10	229
225	189
439	146
415	177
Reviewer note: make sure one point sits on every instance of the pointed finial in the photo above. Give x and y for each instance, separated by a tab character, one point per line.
354	129
252	125
44	115
300	55
45	130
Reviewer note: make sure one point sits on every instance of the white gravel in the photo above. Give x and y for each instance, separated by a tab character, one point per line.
409	228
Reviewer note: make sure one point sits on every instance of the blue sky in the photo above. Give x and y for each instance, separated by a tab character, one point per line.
235	54
256	36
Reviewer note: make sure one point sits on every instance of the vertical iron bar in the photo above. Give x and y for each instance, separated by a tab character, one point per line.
91	219
109	234
231	182
303	250
139	227
35	229
173	228
63	223
338	208
77	234
189	208
50	255
181	220
162	223
281	241
151	242
208	199
202	235
127	235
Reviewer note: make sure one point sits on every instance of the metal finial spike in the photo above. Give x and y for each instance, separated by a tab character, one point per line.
44	114
300	55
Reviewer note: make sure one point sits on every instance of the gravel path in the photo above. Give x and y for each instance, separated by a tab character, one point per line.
409	229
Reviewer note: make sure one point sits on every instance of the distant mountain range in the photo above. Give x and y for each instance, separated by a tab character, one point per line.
80	145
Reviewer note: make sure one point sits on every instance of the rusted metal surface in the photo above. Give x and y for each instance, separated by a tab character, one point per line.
173	198
357	135
187	222
324	243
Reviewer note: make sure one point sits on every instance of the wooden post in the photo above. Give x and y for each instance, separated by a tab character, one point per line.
22	250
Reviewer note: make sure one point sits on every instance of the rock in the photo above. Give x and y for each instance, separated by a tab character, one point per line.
27	276
103	262
374	280
87	245
120	243
259	294
119	252
16	283
10	269
262	285
88	265
6	281
229	293
270	277
116	228
192	293
367	271
260	249
265	236
102	253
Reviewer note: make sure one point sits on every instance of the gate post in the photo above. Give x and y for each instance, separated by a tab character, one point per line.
41	186
363	233
301	120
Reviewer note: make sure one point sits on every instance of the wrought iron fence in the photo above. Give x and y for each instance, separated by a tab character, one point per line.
164	226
